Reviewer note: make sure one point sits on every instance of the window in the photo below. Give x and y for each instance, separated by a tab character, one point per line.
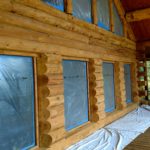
76	93
103	14
127	72
82	9
58	4
109	91
118	26
17	126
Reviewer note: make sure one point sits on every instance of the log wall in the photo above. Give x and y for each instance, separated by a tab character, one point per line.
32	28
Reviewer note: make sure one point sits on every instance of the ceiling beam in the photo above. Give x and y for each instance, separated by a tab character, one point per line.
138	15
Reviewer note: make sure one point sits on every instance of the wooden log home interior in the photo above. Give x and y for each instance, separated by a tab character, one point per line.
57	55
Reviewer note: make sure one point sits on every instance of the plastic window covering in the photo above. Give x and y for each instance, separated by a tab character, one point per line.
76	93
103	14
82	9
118	26
58	4
109	92
16	103
148	77
128	83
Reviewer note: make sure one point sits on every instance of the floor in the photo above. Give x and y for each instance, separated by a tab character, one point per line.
142	142
133	128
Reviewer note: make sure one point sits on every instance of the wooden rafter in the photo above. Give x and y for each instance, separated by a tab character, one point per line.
138	15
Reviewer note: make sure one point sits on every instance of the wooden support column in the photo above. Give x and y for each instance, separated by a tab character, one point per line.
68	6
111	15
94	12
96	98
51	108
120	86
100	87
43	92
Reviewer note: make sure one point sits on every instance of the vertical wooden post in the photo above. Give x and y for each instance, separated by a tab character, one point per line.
120	86
111	15
45	139
101	97
51	99
68	6
94	12
97	105
134	82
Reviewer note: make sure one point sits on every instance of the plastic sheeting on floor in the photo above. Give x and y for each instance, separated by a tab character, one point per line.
118	134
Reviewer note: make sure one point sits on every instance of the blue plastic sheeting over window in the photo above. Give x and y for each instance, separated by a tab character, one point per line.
58	4
16	103
108	75
103	14
128	83
76	93
118	26
82	9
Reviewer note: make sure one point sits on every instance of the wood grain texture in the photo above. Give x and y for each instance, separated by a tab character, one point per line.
120	86
138	15
141	142
32	28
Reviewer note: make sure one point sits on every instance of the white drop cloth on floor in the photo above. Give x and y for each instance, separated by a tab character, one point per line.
118	134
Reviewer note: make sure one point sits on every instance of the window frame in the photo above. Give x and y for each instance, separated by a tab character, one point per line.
88	94
114	76
130	83
36	119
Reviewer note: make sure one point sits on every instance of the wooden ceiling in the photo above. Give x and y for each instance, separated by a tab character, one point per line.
138	14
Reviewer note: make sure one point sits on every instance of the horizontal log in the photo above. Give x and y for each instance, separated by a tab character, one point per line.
100	98
138	15
56	90
55	100
56	122
99	91
11	31
9	43
99	83
56	111
101	107
36	14
58	134
41	6
34	25
30	35
54	70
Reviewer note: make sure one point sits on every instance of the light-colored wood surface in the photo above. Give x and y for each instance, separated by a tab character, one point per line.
32	28
141	142
138	15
